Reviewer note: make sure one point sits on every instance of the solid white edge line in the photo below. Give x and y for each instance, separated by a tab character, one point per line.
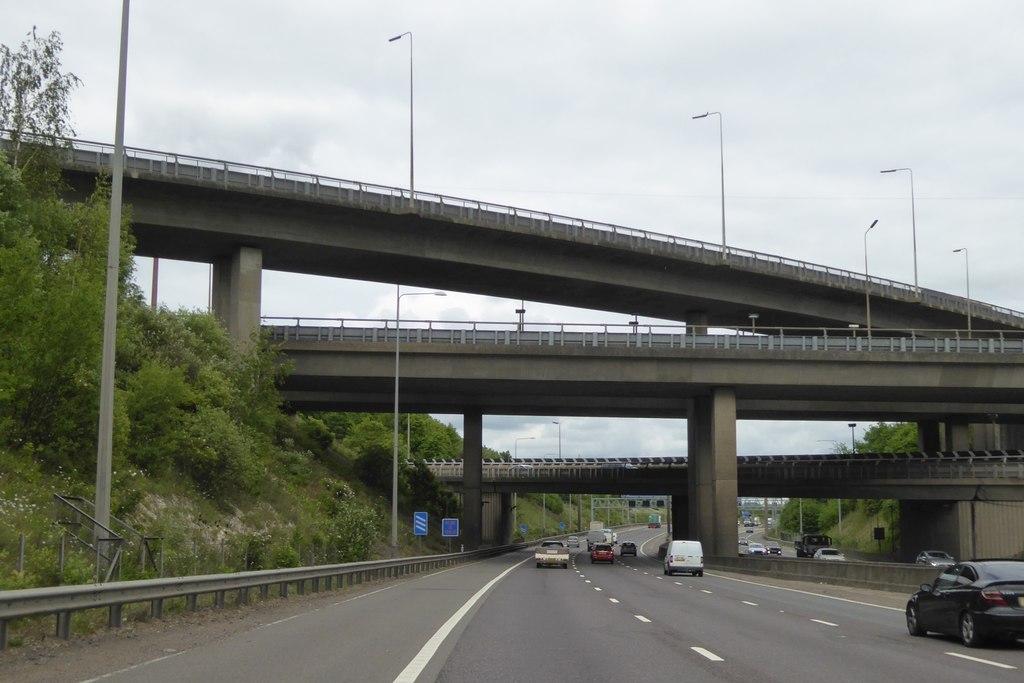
134	666
981	661
415	667
708	654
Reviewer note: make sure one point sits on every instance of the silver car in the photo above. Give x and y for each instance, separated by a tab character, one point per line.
935	558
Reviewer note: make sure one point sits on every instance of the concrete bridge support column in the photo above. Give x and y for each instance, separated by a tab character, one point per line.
929	437
472	478
958	436
713	472
696	323
680	518
507	519
237	286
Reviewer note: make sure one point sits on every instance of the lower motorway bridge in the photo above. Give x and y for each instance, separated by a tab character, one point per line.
968	502
963	392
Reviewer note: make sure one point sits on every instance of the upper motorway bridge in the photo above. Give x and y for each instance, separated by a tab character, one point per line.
244	218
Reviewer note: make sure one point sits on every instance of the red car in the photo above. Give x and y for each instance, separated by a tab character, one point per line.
602	552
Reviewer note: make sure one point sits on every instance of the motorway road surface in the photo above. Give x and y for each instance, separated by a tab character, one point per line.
503	619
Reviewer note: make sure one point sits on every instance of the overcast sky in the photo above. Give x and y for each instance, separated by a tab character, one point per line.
584	108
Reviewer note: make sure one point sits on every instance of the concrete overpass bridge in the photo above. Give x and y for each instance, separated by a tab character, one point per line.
244	218
967	502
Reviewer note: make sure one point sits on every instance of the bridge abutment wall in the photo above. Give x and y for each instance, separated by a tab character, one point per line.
966	528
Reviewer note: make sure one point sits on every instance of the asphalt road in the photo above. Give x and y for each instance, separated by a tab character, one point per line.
506	620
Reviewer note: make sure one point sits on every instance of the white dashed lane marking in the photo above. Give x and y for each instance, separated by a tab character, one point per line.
747	602
708	654
613	600
826	623
642	618
979	660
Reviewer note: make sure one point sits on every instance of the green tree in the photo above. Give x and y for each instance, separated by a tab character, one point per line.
34	105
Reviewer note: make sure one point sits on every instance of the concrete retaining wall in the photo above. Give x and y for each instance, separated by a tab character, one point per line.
899	578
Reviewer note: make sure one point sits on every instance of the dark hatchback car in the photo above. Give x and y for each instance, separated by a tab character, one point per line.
627	548
978	601
773	548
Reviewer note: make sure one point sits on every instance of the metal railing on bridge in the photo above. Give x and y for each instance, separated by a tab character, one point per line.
359	330
989	464
246	177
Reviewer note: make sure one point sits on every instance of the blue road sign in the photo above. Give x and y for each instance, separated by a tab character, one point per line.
450	527
419	523
561	526
522	529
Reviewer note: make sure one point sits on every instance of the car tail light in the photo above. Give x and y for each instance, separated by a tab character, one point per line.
993	596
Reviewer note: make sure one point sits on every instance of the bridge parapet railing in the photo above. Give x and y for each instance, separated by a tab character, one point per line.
232	175
344	330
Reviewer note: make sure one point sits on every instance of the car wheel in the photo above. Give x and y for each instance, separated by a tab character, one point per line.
969	631
914	622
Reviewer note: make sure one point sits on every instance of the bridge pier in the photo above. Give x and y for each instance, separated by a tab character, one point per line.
680	520
237	287
472	479
964	528
712	480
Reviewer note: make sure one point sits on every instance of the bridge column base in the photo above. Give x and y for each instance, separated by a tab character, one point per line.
472	479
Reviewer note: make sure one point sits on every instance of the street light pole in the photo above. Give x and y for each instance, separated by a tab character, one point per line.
867	278
394	452
556	422
516	447
105	426
412	187
913	220
721	157
967	266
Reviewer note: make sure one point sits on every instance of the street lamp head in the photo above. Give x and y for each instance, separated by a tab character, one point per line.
957	251
893	170
701	116
399	36
872	224
851	425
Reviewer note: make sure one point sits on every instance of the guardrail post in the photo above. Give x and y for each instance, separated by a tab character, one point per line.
283	591
64	625
191	602
156	608
3	634
218	598
243	596
114	616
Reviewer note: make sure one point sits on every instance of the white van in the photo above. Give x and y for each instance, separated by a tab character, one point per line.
684	556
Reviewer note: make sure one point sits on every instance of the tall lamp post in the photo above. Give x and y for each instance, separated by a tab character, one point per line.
867	278
721	157
105	423
412	186
556	422
967	266
913	220
516	447
394	452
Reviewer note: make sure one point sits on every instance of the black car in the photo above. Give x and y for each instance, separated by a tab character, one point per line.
627	548
977	601
773	548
